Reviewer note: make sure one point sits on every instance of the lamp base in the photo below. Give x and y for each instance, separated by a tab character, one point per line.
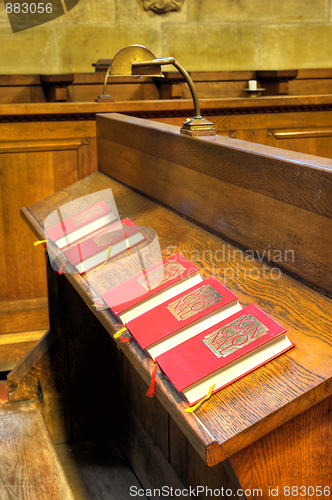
105	98
197	126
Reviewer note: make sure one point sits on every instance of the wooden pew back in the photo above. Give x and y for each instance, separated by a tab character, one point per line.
275	204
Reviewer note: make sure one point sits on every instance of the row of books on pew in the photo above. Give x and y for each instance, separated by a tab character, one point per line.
85	252
195	329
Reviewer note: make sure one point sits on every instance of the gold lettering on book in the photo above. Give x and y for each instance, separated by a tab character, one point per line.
109	236
88	214
162	274
235	335
194	302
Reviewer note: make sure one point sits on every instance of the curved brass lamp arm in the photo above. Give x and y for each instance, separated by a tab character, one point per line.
160	61
134	61
105	81
191	87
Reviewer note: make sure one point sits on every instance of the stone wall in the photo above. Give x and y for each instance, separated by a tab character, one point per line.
204	35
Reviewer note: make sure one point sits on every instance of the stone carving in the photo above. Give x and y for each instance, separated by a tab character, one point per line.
162	6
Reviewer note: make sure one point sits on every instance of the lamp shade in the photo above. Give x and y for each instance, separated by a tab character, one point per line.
123	59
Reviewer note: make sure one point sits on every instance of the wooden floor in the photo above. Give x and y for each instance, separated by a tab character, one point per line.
94	470
31	468
98	470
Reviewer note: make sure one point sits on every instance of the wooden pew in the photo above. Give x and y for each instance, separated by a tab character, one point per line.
37	138
255	433
85	87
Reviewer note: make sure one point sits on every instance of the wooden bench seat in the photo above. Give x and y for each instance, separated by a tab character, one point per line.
30	467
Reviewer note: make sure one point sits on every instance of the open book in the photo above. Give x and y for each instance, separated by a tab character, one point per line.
223	353
183	316
81	225
151	287
104	245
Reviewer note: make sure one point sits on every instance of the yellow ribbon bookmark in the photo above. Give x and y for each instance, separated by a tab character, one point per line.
108	254
40	242
120	332
193	408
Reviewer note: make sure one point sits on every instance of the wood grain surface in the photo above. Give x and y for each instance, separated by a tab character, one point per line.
298	454
25	473
42	376
269	396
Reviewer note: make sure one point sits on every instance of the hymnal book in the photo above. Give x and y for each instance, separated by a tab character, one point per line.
107	243
223	353
151	287
80	225
183	316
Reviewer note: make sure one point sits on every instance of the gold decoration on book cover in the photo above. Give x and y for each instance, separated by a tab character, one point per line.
91	212
109	236
235	335
163	273
194	302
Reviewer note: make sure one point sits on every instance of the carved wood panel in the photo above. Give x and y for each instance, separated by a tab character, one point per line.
30	171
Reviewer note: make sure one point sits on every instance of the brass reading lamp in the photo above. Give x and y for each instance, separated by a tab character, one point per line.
138	61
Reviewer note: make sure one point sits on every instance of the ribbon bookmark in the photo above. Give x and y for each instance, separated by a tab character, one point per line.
119	333
127	242
107	257
40	242
150	392
193	408
61	268
98	304
126	339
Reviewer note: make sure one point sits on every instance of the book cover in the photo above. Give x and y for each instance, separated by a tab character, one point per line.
93	251
183	316
151	287
223	353
80	225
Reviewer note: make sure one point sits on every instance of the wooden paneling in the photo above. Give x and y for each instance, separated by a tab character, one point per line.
305	140
85	87
20	315
311	81
20	88
302	446
26	176
36	160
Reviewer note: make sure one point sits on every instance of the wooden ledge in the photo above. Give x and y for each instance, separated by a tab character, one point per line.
165	107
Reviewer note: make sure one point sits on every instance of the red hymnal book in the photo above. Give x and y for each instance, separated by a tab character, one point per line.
80	225
183	316
151	287
110	242
223	353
